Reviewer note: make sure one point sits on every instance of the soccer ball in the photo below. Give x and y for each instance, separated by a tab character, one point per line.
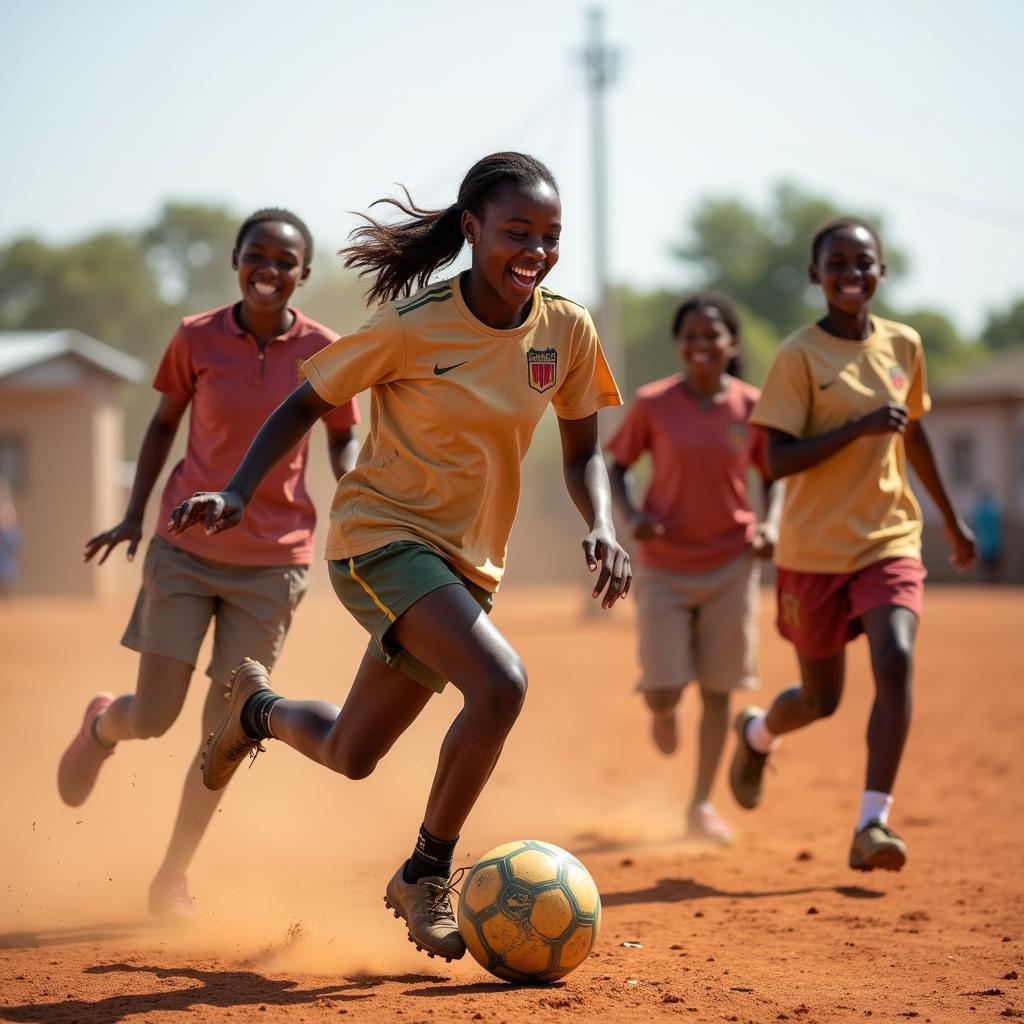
529	912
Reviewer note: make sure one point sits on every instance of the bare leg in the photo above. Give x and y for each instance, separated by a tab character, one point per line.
198	803
714	726
447	631
664	726
817	696
149	712
891	632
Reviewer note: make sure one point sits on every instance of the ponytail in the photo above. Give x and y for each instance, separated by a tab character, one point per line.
398	256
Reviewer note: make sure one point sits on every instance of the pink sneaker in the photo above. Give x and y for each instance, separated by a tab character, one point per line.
82	760
169	896
706	824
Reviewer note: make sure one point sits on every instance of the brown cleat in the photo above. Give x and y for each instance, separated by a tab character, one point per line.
426	906
746	773
228	745
877	846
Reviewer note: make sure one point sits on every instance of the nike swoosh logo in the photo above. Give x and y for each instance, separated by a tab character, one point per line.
439	370
821	387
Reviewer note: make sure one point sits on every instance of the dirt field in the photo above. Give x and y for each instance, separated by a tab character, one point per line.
291	876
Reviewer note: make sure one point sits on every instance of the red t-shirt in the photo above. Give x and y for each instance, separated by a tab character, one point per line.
233	388
701	454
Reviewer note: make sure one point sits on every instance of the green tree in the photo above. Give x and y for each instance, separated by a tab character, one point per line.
1005	329
760	257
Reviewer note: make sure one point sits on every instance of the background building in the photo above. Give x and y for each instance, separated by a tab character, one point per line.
61	439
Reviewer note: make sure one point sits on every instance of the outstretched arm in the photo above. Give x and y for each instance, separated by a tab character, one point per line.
586	480
961	539
152	455
286	426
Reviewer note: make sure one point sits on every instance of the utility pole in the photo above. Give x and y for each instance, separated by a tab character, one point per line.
601	64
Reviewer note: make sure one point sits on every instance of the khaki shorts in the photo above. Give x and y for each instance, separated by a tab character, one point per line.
698	626
252	607
382	584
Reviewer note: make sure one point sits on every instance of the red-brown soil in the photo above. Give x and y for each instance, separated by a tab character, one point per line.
291	876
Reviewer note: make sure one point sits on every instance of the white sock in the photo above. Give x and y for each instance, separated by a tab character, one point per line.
759	736
874	806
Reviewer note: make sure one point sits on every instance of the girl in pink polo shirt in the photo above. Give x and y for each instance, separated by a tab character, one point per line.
232	366
698	539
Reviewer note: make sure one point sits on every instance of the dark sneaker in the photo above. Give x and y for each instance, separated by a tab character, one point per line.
665	732
228	745
426	906
705	823
169	897
746	773
83	759
877	846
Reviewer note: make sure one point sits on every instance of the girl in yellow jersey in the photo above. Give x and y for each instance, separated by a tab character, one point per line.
459	374
842	407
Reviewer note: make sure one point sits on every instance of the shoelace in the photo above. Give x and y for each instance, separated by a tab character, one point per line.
439	895
246	746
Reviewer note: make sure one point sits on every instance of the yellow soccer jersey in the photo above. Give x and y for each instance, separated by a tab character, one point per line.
856	507
453	407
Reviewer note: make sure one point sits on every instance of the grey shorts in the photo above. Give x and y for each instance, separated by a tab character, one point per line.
252	607
698	626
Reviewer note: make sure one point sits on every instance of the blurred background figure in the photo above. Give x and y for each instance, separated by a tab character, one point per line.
10	539
987	523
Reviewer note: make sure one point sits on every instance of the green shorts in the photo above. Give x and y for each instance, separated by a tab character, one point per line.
382	584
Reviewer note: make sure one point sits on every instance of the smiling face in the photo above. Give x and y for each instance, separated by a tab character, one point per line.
270	264
705	343
515	241
849	269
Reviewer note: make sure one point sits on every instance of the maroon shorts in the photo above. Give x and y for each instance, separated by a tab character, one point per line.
820	612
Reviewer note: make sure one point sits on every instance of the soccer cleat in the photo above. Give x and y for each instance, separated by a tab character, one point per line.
877	846
228	745
83	759
705	823
169	897
426	906
746	773
665	732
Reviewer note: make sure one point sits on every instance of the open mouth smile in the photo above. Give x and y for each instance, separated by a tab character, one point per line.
524	277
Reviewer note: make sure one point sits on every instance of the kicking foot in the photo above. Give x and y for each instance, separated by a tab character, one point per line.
228	745
169	898
746	773
705	823
665	732
83	759
877	846
426	906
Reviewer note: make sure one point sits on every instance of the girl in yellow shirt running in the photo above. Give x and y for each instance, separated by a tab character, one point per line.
842	407
459	374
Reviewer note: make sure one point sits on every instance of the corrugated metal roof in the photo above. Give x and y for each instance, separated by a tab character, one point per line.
22	350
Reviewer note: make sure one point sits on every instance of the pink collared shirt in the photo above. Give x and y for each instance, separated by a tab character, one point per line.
233	387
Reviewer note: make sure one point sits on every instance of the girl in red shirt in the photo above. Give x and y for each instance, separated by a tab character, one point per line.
698	539
232	365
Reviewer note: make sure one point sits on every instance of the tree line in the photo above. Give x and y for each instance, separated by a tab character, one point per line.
129	288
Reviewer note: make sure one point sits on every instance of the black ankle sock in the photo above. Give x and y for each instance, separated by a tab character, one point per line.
256	714
432	856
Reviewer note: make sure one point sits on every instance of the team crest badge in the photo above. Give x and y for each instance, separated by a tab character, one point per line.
898	377
542	368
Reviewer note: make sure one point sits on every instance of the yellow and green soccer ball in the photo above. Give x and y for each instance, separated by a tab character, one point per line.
529	912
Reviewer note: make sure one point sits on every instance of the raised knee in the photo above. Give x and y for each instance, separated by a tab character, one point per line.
894	662
507	691
822	705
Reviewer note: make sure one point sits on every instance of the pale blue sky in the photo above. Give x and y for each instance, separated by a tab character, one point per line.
911	109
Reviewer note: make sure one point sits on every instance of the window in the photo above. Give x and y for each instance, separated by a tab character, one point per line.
13	461
961	458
